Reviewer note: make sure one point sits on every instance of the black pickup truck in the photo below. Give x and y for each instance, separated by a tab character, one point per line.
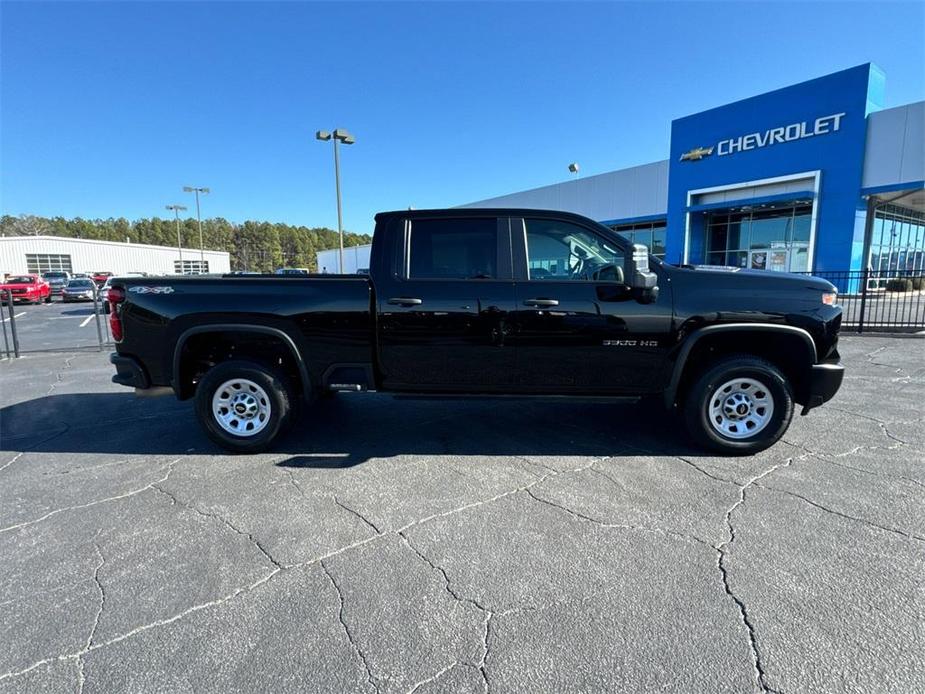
487	302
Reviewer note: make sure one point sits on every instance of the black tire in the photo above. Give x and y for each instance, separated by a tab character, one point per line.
48	299
703	395
280	395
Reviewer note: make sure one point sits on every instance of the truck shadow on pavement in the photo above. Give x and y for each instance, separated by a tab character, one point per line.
350	429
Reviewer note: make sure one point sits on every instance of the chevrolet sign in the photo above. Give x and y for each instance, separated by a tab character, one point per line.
697	153
772	136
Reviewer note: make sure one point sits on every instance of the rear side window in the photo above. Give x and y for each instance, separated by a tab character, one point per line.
454	249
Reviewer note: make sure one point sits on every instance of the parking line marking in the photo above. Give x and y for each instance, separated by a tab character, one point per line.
15	315
87	320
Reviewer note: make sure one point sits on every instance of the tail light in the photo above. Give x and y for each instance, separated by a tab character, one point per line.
115	297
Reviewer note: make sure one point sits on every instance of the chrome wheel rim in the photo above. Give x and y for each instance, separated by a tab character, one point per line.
740	408
241	407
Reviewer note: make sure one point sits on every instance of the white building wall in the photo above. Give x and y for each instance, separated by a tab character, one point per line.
355	258
88	255
895	150
640	191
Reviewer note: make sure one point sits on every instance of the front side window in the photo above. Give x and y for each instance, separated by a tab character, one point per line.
461	249
564	251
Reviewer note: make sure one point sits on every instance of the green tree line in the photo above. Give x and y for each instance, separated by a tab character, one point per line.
254	246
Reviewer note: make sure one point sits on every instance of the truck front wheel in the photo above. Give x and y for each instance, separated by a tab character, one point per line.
739	405
243	406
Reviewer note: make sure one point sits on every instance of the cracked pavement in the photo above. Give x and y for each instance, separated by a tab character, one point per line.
425	546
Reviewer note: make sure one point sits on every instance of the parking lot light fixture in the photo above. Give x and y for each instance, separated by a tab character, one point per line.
176	212
204	191
339	135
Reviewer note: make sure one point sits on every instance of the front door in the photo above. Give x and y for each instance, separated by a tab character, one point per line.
576	325
776	259
445	305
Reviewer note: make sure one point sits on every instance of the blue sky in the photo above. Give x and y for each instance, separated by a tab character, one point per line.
108	109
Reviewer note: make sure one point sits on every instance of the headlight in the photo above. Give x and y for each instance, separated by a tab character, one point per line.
830	298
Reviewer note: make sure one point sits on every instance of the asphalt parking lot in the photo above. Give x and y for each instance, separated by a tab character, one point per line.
459	546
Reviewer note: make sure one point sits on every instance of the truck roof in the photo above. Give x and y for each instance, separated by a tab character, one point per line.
482	212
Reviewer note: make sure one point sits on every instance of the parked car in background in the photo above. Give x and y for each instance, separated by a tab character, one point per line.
57	280
100	277
81	289
80	275
30	289
292	271
104	294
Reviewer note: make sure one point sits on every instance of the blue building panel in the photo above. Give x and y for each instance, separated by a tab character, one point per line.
819	125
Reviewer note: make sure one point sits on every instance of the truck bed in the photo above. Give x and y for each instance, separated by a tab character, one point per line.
329	317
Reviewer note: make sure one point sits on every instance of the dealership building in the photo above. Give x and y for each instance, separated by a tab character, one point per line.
40	254
812	177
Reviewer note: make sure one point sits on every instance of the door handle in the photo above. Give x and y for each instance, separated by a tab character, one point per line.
541	302
405	301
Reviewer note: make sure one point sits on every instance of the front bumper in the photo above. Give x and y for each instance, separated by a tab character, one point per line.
129	371
824	382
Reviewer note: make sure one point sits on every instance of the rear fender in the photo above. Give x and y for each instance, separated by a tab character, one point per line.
237	327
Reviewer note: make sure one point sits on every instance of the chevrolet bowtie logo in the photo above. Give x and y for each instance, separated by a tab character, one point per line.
697	154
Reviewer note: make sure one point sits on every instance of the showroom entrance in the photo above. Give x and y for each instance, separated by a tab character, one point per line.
760	237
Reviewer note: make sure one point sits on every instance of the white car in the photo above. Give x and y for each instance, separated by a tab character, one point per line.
104	294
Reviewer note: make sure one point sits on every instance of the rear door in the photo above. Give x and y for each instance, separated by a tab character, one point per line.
576	324
444	305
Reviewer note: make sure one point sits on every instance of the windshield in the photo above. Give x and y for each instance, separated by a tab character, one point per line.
80	284
55	275
20	279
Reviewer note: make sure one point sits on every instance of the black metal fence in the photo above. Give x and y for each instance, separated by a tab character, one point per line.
880	300
44	327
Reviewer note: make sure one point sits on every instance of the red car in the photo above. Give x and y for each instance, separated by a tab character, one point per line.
100	277
30	289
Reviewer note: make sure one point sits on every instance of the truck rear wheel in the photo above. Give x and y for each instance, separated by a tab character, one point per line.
243	406
739	405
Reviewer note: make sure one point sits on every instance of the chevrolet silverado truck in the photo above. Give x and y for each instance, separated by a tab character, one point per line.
487	302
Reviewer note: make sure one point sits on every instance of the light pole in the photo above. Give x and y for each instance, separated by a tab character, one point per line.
176	213
205	191
341	135
574	168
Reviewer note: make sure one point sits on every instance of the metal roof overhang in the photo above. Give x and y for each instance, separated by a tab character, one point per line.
909	195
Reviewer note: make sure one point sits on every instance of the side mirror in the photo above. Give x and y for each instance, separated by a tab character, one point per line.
641	280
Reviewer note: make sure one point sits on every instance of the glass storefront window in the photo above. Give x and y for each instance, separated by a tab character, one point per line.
651	234
766	232
659	235
775	239
898	240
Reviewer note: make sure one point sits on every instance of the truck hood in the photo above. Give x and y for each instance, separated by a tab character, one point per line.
747	276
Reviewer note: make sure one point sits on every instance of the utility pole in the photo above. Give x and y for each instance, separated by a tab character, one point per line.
204	191
339	135
176	212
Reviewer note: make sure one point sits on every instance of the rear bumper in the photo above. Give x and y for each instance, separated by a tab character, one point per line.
824	382
129	371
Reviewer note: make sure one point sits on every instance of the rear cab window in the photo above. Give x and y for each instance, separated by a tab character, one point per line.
461	249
